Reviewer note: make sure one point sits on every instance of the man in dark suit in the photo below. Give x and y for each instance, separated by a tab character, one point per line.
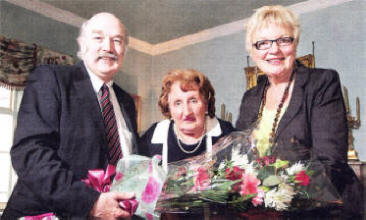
62	130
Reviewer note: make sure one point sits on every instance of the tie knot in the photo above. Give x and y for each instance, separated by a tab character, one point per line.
104	93
104	88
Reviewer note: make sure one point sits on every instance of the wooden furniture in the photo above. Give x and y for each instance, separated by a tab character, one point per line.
137	100
360	169
222	213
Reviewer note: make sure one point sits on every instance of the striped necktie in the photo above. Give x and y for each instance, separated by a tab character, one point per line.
110	124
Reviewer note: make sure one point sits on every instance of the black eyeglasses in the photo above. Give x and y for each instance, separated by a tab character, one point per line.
266	44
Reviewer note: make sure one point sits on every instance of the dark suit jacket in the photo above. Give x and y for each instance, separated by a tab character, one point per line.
314	126
59	137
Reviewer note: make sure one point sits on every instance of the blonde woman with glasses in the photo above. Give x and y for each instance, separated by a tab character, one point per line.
298	113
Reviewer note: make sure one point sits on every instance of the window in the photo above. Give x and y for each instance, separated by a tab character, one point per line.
9	105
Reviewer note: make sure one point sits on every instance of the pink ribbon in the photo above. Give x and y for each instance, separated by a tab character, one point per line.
129	205
46	216
100	180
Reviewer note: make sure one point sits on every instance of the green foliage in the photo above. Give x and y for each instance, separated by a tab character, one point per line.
265	172
220	190
272	180
281	163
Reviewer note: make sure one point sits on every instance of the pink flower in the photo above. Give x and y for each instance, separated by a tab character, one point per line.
118	176
181	172
149	216
234	173
201	179
266	160
152	191
258	199
249	185
302	178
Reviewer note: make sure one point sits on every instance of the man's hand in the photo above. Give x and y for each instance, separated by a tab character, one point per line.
107	207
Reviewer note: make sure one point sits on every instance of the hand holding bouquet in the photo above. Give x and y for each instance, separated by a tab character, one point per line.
143	176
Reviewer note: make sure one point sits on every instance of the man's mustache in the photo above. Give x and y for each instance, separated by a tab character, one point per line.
108	55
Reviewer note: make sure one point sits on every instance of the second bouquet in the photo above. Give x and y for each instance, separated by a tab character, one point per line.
234	176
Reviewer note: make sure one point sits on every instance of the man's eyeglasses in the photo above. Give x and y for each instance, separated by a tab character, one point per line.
266	44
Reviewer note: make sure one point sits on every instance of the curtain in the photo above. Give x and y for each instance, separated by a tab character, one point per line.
18	59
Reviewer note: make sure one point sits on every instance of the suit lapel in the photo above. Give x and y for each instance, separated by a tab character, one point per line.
86	95
296	101
255	100
122	104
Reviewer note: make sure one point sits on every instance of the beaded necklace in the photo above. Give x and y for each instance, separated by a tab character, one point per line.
198	143
279	107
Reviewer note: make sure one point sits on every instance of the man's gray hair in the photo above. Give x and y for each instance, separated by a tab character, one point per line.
83	29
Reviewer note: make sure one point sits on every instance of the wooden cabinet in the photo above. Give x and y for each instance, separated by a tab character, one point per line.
360	169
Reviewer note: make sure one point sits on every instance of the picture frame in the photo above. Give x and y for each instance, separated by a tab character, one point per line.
137	100
252	72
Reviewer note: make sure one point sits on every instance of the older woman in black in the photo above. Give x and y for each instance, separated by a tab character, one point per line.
188	101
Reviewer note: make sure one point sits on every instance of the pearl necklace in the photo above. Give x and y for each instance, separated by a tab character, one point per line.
199	142
279	107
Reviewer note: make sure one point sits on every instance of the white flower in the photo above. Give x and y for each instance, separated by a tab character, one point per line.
239	159
297	167
222	165
249	168
284	177
280	198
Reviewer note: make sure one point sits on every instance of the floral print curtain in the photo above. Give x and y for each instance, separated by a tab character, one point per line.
18	59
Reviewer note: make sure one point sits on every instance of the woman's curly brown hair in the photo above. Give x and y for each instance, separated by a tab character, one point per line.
189	78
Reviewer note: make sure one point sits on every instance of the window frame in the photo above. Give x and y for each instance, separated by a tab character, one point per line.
12	110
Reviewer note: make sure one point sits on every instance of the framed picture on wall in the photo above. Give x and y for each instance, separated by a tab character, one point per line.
137	100
252	72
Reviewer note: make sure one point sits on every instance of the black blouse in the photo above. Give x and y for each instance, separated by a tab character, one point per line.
149	149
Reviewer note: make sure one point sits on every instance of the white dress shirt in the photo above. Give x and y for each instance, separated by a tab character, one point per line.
125	136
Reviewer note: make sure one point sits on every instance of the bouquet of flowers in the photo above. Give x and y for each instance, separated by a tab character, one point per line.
234	175
143	176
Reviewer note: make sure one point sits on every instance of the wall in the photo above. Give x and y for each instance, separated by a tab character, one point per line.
135	78
30	27
222	60
338	33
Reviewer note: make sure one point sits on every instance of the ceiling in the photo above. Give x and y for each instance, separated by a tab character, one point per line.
157	21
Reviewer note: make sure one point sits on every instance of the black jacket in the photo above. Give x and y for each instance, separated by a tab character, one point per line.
59	137
313	126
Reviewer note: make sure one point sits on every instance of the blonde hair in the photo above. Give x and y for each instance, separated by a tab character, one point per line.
189	78
267	15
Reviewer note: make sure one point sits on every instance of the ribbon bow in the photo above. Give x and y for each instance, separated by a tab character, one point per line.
46	216
100	180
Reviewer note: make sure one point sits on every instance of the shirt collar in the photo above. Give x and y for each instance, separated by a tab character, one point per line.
161	131
96	82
